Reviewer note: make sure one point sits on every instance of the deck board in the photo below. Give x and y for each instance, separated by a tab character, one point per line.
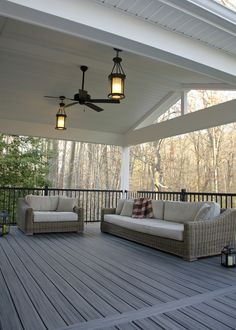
45	309
99	281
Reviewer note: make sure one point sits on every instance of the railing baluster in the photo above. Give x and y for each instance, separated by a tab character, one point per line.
92	201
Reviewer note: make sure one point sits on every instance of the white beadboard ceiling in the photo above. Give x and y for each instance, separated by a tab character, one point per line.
38	59
178	17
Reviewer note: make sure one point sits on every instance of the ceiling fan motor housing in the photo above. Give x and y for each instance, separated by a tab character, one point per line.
82	96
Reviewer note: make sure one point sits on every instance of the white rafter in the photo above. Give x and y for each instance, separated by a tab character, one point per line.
216	115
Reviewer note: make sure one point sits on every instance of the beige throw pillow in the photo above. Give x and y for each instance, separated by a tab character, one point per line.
120	204
127	208
66	204
203	213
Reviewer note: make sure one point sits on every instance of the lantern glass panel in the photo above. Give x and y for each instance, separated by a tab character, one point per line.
60	122
117	85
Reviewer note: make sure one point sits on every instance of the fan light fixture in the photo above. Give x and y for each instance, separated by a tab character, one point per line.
82	97
61	116
117	78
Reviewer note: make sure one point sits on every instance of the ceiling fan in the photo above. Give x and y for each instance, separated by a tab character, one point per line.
82	97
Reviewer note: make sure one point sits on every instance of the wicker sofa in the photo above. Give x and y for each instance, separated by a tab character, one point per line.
176	231
47	214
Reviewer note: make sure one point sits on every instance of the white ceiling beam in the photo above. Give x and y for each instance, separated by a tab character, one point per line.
161	107
184	103
92	21
14	127
217	115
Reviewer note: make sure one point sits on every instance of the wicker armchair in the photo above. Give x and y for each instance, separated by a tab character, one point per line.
25	221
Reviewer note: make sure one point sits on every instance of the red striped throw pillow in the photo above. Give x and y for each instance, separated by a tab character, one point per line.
142	208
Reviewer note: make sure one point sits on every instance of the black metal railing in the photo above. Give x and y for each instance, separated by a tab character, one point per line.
92	200
224	199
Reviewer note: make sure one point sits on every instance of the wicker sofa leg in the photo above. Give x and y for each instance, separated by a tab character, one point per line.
190	258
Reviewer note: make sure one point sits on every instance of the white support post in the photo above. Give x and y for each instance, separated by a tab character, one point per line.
124	175
184	103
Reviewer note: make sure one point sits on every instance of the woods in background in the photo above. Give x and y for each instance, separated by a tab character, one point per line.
203	161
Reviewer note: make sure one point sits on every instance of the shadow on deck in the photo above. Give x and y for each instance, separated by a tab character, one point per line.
98	281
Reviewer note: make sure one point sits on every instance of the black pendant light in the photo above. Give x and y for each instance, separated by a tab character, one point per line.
117	78
61	115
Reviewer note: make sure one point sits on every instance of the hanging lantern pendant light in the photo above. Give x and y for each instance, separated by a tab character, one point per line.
61	116
117	78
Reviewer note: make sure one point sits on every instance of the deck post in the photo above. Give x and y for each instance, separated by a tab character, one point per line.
183	195
46	190
124	175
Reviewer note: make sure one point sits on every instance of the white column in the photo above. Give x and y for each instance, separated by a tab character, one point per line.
124	175
184	103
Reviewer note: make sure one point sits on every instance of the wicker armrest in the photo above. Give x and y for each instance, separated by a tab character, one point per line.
80	213
24	215
206	236
107	211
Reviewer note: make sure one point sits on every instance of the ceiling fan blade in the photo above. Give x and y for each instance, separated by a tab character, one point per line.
70	104
52	97
93	106
104	101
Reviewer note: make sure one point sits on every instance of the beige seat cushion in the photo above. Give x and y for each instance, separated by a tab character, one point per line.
155	227
54	216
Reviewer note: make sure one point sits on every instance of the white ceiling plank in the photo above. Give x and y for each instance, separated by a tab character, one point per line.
92	21
217	115
42	130
215	15
42	58
205	15
211	87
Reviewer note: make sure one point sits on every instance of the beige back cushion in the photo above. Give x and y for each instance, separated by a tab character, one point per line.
120	204
42	203
66	204
186	211
158	209
127	209
181	211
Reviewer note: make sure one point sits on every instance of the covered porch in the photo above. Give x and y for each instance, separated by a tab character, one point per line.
43	47
94	280
98	281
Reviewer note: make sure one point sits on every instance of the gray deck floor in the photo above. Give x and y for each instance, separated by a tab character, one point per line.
99	281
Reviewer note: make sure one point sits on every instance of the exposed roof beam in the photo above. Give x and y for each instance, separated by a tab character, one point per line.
92	21
47	131
158	109
217	115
